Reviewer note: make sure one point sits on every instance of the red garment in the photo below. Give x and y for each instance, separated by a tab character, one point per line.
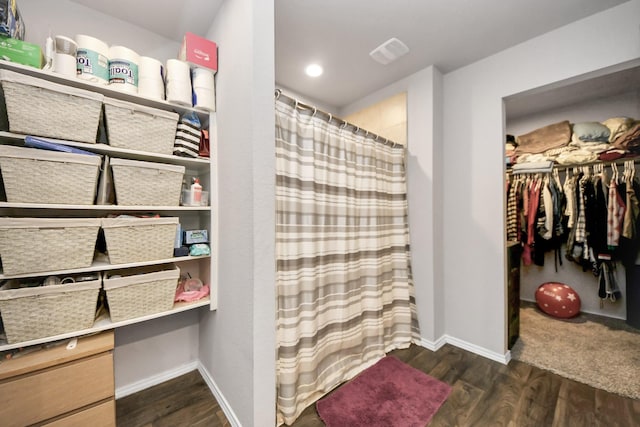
532	210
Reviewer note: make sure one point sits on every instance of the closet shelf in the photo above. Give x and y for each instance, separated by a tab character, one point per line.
105	149
104	89
100	265
620	162
103	323
103	208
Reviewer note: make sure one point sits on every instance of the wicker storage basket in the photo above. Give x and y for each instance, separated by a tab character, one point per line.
31	245
31	175
139	239
39	107
138	127
146	183
141	291
44	311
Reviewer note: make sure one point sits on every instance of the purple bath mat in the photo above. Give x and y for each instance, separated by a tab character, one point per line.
389	393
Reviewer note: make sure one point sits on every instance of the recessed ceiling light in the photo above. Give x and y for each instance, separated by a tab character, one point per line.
313	70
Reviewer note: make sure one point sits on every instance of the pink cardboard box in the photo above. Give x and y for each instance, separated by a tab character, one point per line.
199	52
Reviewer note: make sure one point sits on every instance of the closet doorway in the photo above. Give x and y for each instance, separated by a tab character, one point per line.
593	99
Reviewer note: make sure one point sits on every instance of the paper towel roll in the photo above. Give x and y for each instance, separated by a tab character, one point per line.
204	98
123	69
150	68
92	59
64	64
151	88
203	78
179	92
178	71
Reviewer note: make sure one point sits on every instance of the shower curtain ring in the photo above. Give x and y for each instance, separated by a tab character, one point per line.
278	93
315	110
343	125
330	118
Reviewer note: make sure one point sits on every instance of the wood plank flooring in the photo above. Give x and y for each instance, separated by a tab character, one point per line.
184	401
484	393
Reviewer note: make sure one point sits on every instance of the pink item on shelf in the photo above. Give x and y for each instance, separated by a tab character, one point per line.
189	296
199	52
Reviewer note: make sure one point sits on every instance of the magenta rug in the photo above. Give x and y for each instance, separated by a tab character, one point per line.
387	394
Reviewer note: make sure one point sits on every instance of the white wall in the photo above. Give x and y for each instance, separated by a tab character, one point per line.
474	247
151	352
63	17
237	342
424	187
309	101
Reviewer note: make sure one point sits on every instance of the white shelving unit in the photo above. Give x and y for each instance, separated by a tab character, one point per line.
201	217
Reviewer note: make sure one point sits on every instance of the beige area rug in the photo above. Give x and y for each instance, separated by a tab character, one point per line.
595	350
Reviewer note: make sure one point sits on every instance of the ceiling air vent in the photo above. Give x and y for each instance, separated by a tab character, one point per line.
389	51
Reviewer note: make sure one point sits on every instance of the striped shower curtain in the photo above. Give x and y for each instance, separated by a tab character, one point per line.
345	295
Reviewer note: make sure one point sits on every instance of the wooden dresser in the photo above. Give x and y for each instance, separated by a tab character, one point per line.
60	387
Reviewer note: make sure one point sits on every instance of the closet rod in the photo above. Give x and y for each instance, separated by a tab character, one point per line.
620	161
330	117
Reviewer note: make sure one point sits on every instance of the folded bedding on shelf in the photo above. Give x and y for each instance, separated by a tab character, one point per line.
545	138
630	139
533	167
590	131
617	126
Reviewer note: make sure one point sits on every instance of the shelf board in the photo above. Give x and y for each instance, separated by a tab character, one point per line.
103	89
104	208
99	265
103	323
105	149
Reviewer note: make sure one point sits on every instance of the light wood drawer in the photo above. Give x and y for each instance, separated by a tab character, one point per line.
101	415
45	394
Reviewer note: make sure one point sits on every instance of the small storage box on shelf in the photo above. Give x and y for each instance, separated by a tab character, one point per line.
31	175
139	183
138	127
38	107
140	291
31	245
37	312
139	239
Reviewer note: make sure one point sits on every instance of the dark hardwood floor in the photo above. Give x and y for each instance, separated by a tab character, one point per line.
485	393
185	401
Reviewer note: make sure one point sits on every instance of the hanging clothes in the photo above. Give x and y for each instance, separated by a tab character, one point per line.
629	240
596	217
615	212
512	208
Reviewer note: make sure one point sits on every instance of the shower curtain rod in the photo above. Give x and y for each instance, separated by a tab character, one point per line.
315	111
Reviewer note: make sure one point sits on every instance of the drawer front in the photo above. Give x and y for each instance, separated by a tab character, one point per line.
52	392
101	415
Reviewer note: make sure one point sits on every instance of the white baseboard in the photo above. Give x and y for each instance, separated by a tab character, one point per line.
155	380
582	310
447	339
433	345
224	405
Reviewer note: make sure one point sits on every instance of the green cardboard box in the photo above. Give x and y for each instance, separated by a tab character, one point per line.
19	51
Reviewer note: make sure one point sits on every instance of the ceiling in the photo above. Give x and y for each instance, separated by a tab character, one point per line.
447	33
169	18
339	34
